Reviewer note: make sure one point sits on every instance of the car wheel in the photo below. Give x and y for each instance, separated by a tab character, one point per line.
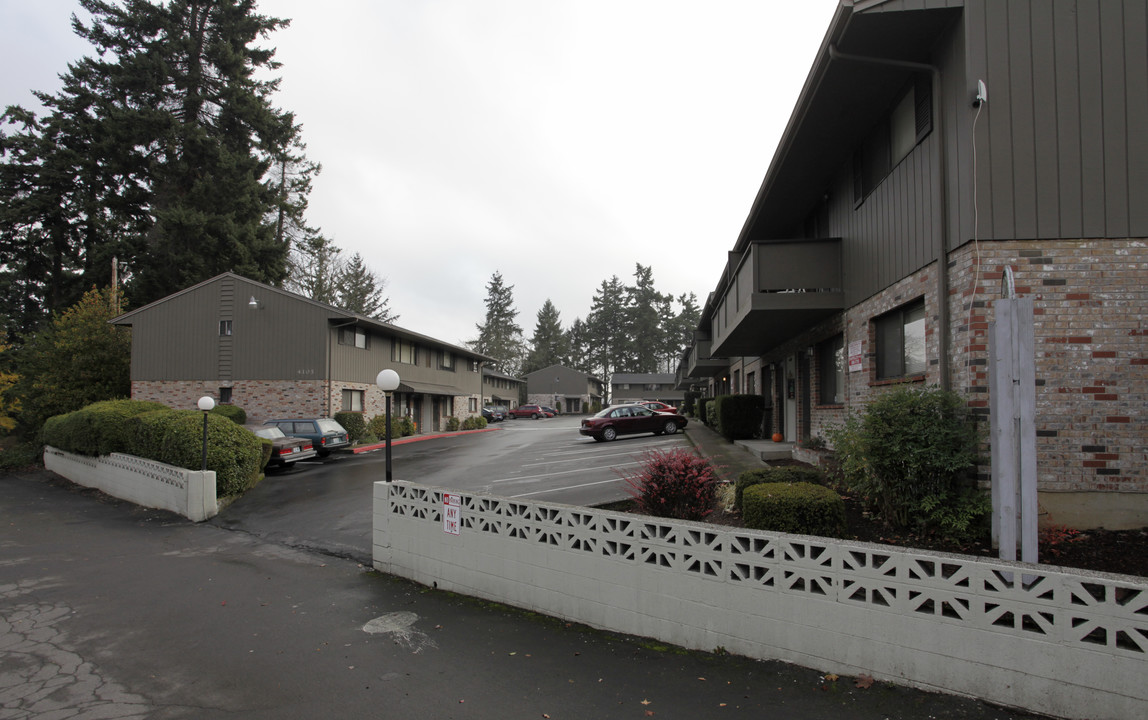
324	453
534	416
670	428
609	434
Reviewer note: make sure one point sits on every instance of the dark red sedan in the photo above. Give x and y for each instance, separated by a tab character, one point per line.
661	407
630	420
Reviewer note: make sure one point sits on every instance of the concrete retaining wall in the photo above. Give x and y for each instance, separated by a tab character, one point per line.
190	493
1062	642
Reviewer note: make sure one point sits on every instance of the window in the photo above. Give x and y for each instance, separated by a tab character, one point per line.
403	351
893	139
751	383
353	336
900	339
224	395
472	365
225	328
447	360
352	401
473	405
831	368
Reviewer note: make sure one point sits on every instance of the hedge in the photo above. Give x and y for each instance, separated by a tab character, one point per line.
175	437
234	413
354	424
802	508
98	429
739	416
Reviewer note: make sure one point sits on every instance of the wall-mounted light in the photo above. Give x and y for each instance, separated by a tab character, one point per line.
253	303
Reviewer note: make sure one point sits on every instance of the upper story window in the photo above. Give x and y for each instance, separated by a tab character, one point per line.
446	362
472	365
404	351
225	328
894	138
354	336
900	337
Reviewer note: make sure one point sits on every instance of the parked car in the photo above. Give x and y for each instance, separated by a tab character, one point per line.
551	412
324	433
494	413
630	420
285	451
660	407
530	411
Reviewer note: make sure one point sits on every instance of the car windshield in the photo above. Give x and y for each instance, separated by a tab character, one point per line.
270	432
327	425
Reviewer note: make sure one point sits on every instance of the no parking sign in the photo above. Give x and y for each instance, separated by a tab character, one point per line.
451	513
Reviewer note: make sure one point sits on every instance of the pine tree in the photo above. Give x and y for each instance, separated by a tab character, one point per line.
499	336
578	343
160	150
643	321
548	346
608	333
361	291
315	266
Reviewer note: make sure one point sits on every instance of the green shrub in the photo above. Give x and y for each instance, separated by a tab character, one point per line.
175	437
21	455
674	484
98	429
738	416
353	423
406	425
234	413
474	423
780	474
799	507
453	423
690	402
377	426
908	455
706	412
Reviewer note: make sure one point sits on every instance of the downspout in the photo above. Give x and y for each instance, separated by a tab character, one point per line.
943	236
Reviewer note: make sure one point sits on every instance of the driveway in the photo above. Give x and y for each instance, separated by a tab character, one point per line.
325	504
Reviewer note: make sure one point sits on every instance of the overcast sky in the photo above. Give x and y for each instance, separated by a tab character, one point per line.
559	142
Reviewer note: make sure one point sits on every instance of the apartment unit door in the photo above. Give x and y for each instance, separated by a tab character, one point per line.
791	398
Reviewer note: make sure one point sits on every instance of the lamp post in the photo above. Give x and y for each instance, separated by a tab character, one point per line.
388	382
205	404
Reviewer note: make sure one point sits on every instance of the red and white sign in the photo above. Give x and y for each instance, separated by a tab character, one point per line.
855	356
451	514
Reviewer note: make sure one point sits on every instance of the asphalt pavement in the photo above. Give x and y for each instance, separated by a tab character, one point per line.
109	610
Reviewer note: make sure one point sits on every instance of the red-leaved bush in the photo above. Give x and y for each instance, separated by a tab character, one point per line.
674	484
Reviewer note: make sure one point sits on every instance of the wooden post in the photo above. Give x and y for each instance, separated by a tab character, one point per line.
1012	421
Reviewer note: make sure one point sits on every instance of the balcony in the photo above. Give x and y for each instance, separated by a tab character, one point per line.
774	291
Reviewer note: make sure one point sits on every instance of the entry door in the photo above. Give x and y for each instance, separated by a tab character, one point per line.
791	398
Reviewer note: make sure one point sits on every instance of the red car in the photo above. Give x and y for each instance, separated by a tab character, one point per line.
661	407
530	411
629	420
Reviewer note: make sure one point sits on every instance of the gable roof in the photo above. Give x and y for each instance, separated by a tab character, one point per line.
335	315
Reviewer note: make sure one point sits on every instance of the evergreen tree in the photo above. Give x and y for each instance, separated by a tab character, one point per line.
499	336
578	344
161	150
680	333
608	333
76	360
315	266
548	346
361	291
643	321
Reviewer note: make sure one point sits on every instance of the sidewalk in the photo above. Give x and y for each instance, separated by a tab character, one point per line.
731	459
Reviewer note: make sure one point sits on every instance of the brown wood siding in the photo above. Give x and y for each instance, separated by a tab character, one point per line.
1061	144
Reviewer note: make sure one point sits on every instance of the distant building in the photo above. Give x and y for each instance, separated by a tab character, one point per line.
635	387
500	388
275	353
565	389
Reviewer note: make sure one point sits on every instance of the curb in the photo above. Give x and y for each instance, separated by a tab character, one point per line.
417	438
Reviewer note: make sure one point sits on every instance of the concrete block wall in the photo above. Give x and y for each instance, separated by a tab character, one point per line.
190	493
1050	640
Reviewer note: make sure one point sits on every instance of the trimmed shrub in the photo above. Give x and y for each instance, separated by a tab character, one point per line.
674	484
474	423
690	403
98	429
453	423
781	474
802	508
908	455
739	416
175	437
234	413
354	424
377	426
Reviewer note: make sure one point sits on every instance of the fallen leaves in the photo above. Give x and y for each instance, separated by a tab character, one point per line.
864	682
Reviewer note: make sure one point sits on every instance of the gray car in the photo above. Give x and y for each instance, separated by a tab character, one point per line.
325	434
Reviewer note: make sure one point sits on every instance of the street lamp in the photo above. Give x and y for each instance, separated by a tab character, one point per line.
205	404
388	382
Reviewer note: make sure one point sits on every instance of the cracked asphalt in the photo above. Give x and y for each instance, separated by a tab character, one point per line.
108	610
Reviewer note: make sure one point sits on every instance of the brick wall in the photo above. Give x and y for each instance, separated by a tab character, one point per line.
1091	322
259	399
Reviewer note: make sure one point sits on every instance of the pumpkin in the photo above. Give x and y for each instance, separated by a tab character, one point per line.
778	437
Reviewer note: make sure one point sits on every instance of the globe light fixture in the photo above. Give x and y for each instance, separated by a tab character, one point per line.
388	382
